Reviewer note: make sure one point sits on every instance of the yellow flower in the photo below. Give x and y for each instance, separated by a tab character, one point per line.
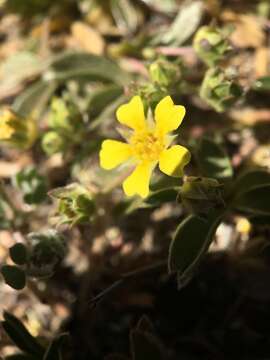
17	131
147	145
6	130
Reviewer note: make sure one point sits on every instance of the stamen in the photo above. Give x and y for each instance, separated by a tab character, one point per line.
146	146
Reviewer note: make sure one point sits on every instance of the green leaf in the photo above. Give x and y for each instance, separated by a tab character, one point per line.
190	243
17	69
32	185
14	276
125	15
250	180
102	98
213	161
54	350
107	113
72	65
18	253
262	84
21	336
34	99
185	24
159	197
254	201
145	346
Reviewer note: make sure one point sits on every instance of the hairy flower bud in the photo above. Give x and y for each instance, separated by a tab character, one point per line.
64	117
75	204
199	195
46	250
164	73
66	127
211	45
52	143
219	90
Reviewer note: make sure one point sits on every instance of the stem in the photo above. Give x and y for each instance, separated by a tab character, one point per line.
124	277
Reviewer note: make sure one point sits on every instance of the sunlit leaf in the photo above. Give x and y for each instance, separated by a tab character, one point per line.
33	100
185	24
76	65
125	14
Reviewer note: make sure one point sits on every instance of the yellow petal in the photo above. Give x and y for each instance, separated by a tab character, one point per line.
168	116
113	153
173	160
132	114
138	181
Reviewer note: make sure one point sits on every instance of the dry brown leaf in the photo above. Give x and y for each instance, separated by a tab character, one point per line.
261	62
102	21
87	38
250	116
248	30
261	157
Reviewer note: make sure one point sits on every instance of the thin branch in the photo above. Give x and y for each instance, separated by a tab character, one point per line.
124	277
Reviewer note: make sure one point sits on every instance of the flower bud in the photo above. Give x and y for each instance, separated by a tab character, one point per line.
211	45
52	143
64	117
75	204
199	195
164	73
46	250
17	131
219	90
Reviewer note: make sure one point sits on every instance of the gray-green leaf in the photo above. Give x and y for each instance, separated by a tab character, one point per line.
213	161
185	24
190	243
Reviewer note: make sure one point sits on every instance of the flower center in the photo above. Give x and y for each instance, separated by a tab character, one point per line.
146	146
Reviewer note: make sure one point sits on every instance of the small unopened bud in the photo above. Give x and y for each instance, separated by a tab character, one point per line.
200	195
164	73
66	127
17	131
219	89
75	204
46	250
64	117
52	143
211	45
